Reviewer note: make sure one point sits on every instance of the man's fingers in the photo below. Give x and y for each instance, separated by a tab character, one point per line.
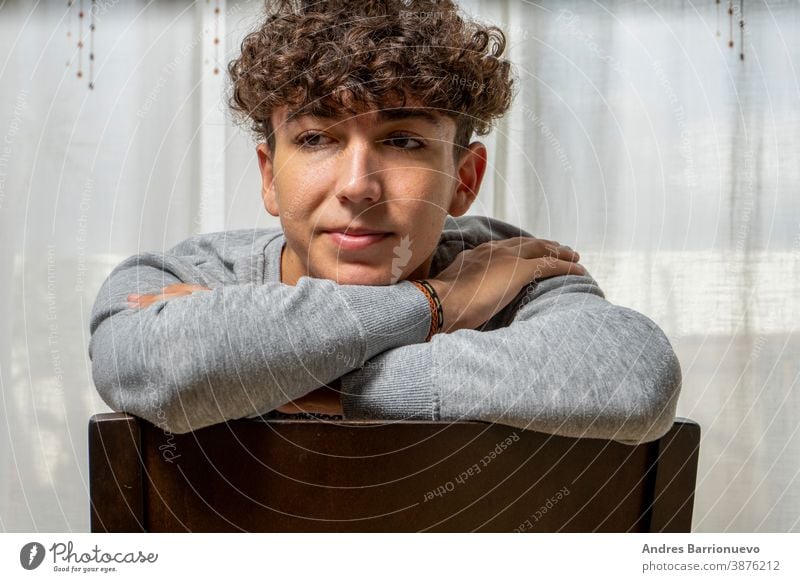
516	241
534	248
135	300
550	267
183	288
143	300
168	292
563	252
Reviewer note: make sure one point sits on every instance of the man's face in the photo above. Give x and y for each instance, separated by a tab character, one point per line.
389	170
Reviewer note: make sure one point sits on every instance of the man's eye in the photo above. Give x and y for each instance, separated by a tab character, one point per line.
405	142
311	140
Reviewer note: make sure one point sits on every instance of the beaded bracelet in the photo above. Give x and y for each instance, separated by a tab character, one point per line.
437	314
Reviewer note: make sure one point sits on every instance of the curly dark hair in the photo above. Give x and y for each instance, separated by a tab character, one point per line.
316	55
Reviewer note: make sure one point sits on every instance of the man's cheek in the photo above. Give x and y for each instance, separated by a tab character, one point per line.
289	214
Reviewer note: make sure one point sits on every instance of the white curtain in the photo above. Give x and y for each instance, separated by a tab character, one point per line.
637	136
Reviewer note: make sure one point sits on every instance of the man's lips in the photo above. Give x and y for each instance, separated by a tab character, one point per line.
356	231
354	242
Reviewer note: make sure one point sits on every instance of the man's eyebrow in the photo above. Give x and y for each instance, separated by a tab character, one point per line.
384	115
408	113
316	110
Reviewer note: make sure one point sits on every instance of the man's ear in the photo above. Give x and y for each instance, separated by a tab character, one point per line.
267	183
470	171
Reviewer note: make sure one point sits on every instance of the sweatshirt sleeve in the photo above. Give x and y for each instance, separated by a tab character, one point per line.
569	363
236	350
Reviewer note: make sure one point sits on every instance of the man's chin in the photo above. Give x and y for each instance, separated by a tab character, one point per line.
361	275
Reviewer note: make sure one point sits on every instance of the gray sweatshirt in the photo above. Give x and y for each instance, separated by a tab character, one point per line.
558	359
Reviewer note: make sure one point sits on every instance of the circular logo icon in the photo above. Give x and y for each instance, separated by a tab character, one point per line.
31	555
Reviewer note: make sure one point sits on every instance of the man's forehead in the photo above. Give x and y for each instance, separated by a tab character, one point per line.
383	113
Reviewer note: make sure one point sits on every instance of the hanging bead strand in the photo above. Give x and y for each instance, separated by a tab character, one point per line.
741	30
216	38
91	45
69	30
730	22
80	39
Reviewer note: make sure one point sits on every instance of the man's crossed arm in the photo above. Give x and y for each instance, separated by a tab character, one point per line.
566	361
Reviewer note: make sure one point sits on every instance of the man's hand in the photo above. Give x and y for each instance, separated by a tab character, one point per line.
482	281
168	292
325	400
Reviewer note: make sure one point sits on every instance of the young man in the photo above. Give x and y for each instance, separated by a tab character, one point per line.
378	297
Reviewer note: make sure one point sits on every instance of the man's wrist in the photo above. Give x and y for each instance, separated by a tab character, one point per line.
434	304
400	321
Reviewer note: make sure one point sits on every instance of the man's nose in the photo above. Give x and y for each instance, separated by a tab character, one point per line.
360	174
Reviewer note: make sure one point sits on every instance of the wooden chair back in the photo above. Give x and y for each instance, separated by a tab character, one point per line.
358	476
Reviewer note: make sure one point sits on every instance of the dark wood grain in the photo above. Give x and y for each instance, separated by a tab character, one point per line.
676	475
115	473
354	476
